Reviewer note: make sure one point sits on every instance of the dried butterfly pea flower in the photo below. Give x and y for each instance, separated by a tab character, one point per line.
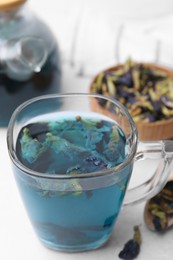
31	148
135	83
135	111
153	94
159	210
136	79
111	87
126	79
138	118
129	64
167	102
166	111
99	79
132	247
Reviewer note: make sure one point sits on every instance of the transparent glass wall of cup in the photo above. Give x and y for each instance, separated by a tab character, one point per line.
77	212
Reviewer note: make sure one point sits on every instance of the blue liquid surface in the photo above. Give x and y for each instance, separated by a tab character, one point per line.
76	214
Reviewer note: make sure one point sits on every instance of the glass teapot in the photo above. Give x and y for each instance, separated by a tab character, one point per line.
29	57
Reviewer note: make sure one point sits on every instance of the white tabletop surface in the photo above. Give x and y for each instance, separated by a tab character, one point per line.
17	238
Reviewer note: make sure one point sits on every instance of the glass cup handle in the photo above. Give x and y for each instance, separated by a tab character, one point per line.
157	150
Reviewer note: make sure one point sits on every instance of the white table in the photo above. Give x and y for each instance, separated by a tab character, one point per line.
17	238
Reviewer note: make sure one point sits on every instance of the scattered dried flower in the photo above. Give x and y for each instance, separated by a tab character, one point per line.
132	247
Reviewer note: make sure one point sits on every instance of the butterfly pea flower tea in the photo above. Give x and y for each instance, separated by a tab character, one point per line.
72	166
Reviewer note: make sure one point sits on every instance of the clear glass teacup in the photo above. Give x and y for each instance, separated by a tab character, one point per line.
72	164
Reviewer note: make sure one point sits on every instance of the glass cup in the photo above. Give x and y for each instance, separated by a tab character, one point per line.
72	163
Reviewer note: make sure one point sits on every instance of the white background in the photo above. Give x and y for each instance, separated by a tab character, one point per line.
17	238
94	34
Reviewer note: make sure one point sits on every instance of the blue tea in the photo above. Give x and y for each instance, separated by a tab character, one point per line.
71	213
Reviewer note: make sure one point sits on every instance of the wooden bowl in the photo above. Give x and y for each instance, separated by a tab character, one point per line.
157	130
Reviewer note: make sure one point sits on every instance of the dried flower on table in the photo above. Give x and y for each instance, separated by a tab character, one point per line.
132	247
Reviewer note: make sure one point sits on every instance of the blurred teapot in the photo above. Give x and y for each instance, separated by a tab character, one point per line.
29	57
21	57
